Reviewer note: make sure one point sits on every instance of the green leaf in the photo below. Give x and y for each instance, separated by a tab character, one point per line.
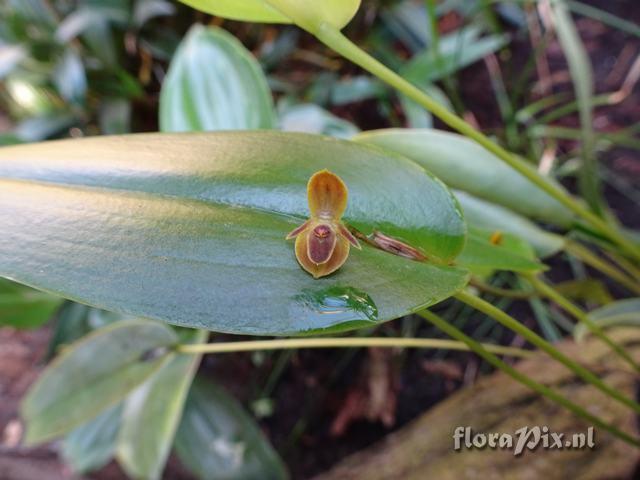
456	51
91	446
23	307
93	374
588	290
481	255
416	115
583	84
218	440
310	118
10	58
214	83
75	320
69	77
463	164
307	13
190	228
622	312
489	216
152	414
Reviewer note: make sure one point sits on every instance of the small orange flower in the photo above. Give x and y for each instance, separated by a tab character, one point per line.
323	242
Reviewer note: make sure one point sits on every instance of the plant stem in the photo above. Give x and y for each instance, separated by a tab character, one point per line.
387	342
581	316
535	339
334	39
587	256
453	332
625	265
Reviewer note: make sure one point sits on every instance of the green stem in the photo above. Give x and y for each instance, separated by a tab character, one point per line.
453	332
293	343
624	264
587	256
334	39
581	316
529	335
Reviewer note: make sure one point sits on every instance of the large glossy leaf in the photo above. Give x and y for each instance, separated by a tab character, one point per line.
217	440
152	414
489	216
189	228
214	83
92	375
335	12
24	307
462	163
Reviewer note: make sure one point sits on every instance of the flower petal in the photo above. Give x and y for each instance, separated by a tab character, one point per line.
344	231
298	230
327	195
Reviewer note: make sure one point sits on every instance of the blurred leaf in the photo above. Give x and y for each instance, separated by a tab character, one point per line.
463	164
100	40
152	414
24	307
41	128
244	10
310	118
604	17
456	51
145	10
214	83
9	138
10	57
92	23
335	12
408	22
76	23
582	78
115	116
115	83
417	116
356	89
189	228
622	312
75	320
217	440
92	375
69	77
160	43
92	445
489	216
590	290
30	95
36	11
510	253
513	13
273	51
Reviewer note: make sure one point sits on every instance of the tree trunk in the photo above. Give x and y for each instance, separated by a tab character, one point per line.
424	448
